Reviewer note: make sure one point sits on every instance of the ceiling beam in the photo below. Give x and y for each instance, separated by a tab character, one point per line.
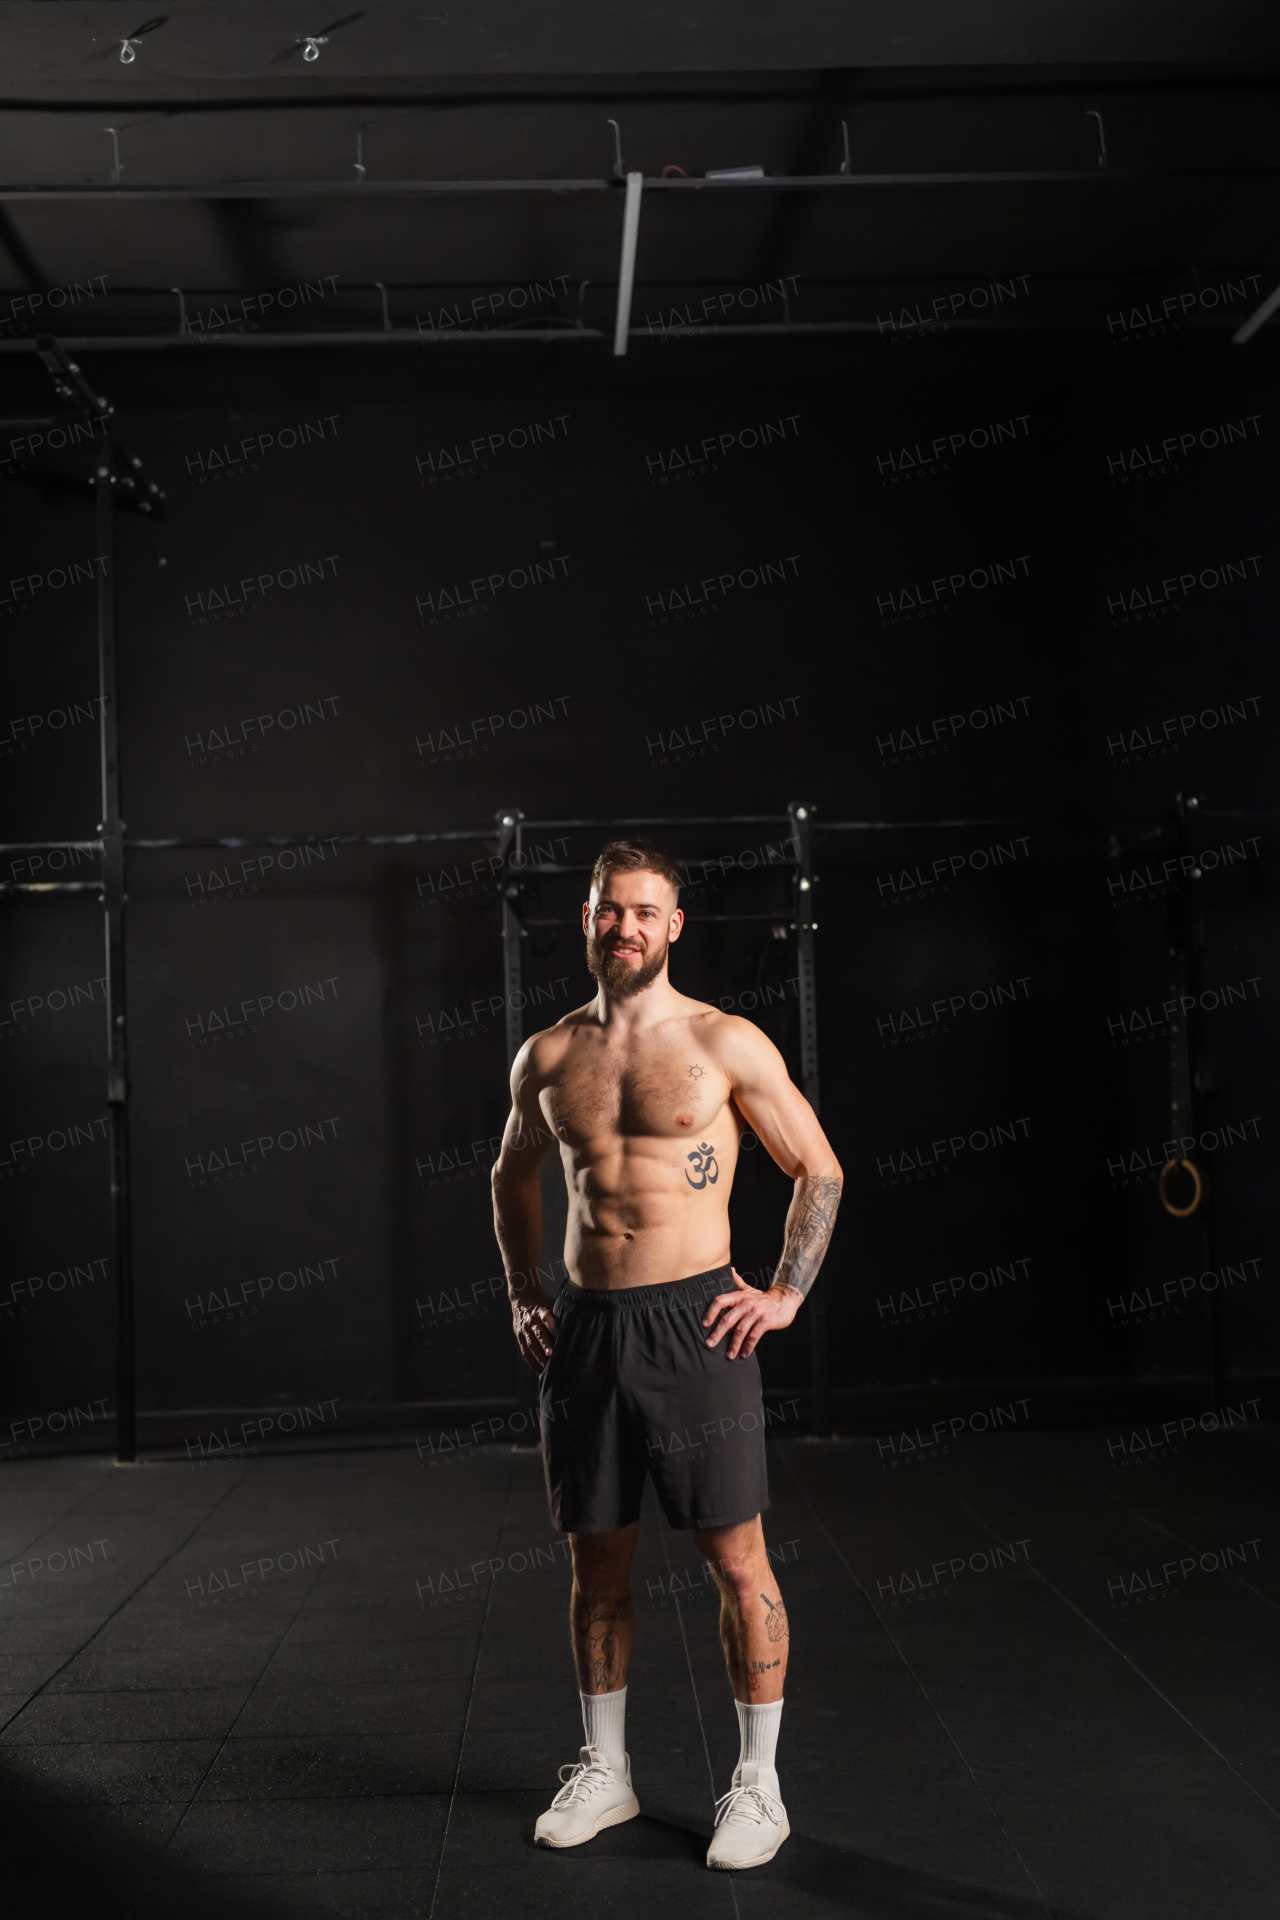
515	336
770	183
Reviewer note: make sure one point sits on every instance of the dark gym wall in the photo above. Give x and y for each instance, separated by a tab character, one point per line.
963	615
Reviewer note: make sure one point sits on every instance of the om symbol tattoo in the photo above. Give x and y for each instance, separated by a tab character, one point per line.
704	1165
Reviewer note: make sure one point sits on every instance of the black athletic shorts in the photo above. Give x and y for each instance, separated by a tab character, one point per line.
631	1389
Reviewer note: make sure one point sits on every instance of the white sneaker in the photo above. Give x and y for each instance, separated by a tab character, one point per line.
593	1797
751	1821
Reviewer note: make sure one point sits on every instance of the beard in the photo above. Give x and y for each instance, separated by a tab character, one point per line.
616	977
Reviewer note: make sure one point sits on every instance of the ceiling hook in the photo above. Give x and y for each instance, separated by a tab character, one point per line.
311	44
844	164
127	54
182	310
618	172
360	160
386	312
1091	113
116	168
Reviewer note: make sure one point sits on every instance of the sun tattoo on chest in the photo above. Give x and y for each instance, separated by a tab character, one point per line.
696	1072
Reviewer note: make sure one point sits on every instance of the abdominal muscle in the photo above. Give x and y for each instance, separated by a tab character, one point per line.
631	1225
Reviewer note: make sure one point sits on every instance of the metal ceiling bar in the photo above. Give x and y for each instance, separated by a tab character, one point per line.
671	820
407	337
889	826
767	183
791	182
778	918
586	866
17	846
314	839
401	337
310	189
947	85
532	826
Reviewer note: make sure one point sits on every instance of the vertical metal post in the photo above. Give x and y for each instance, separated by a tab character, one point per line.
1186	1079
806	904
511	853
806	926
111	828
627	263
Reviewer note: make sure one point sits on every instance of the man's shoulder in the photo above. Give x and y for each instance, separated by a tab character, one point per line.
702	1015
717	1029
731	1040
542	1051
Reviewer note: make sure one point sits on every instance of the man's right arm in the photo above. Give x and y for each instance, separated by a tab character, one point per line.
517	1211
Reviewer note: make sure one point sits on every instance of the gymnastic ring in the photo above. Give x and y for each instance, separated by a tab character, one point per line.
1181	1213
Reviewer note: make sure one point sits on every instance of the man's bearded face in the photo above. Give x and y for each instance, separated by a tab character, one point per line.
630	932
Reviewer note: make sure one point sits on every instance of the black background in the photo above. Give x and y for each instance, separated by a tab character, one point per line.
401	947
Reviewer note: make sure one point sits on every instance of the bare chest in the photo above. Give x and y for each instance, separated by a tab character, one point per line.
600	1092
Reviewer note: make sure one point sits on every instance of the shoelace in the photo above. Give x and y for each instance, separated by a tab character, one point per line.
760	1805
579	1784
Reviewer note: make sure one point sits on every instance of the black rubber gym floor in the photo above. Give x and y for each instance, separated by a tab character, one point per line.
1035	1674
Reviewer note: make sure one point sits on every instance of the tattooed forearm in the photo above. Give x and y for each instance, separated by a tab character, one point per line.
810	1221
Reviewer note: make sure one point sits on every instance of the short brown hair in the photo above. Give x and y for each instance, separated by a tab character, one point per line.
636	856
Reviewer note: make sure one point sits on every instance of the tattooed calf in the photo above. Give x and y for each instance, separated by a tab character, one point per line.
775	1624
602	1652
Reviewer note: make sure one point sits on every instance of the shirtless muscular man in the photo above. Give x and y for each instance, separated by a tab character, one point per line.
646	1356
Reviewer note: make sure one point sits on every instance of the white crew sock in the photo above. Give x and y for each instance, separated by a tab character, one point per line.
758	1727
604	1719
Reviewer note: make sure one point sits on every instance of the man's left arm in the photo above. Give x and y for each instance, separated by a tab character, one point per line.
778	1113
